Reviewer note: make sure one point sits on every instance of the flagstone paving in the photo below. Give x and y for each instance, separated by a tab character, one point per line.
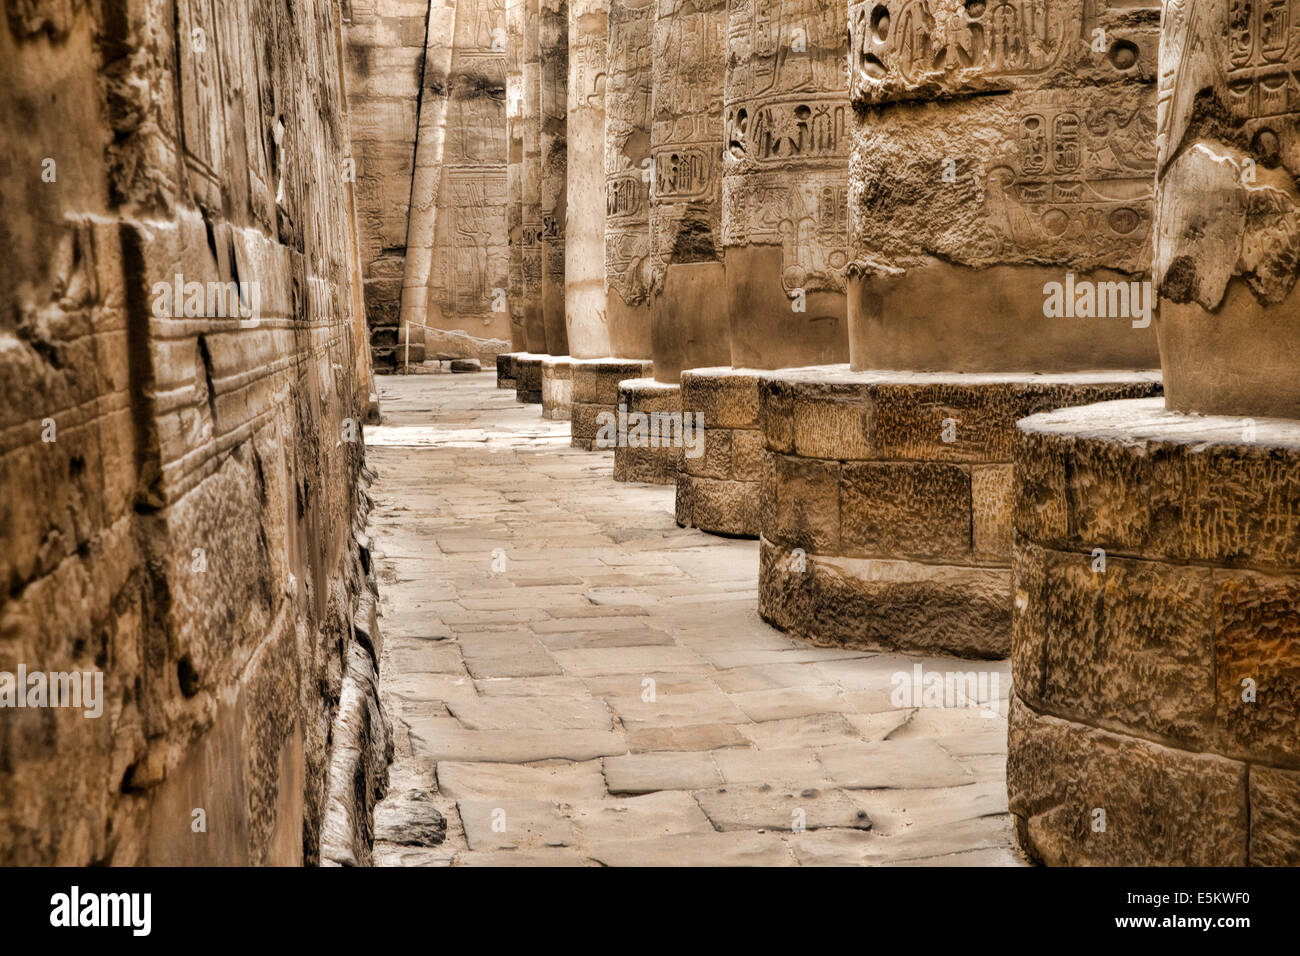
574	680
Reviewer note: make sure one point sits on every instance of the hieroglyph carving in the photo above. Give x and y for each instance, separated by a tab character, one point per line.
686	133
1240	158
627	149
787	137
1060	169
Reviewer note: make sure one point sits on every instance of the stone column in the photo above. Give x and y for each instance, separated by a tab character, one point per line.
584	240
784	229
625	196
514	172
630	60
688	311
688	321
1156	643
785	183
531	185
458	261
999	245
553	40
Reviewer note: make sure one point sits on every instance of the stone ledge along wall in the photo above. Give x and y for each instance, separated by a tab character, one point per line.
387	86
184	492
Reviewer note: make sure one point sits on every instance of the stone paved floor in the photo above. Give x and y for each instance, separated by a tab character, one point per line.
573	679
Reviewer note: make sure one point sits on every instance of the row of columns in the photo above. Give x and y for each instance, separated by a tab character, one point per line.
915	322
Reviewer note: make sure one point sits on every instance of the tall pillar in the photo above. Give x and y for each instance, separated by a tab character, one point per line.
784	232
785	183
456	276
630	44
1156	644
688	313
998	248
553	61
688	320
625	200
531	184
584	239
514	172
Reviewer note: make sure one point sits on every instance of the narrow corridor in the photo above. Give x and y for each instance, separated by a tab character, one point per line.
573	679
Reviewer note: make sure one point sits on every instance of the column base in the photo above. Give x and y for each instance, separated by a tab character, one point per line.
654	438
557	387
1156	638
595	390
528	377
885	505
506	374
718	488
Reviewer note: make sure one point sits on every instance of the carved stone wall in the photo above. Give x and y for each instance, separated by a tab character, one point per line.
785	182
688	316
630	45
385	63
179	436
553	61
964	206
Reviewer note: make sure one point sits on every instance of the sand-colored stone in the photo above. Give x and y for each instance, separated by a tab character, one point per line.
688	308
1156	598
964	205
1228	209
553	85
628	174
785	183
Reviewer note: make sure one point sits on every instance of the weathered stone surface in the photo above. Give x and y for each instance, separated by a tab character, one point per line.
458	254
874	603
655	438
688	313
1049	178
1227	229
553	85
386	52
184	366
1162	806
892	492
584	242
1274	817
557	388
785	184
528	378
774	808
628	174
1144	481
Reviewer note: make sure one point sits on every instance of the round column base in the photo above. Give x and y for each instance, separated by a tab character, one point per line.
528	377
1156	638
595	391
885	504
718	478
557	387
506	374
649	435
